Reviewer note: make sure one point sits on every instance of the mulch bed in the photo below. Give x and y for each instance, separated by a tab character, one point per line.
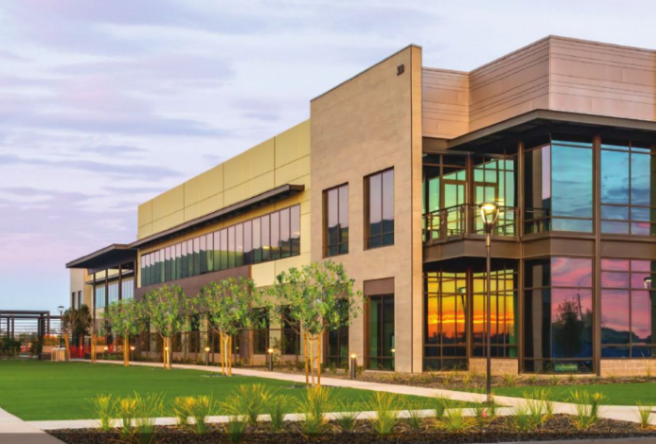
559	427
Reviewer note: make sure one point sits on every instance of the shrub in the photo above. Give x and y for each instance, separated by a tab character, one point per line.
540	404
645	412
148	408
278	407
414	418
442	403
455	421
103	409
383	403
249	400
235	427
346	418
509	380
199	409
587	408
317	401
522	419
126	409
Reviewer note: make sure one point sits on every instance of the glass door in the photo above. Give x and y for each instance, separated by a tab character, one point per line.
381	333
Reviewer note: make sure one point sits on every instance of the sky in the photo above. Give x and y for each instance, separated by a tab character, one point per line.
105	104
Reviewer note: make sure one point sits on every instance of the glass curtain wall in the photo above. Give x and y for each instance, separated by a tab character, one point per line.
503	313
628	188
558	311
269	237
628	308
444	195
456	304
494	181
446	334
558	184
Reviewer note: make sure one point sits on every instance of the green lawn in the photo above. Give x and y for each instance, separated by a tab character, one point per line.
49	390
616	394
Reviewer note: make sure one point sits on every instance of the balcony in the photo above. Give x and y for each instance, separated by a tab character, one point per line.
460	221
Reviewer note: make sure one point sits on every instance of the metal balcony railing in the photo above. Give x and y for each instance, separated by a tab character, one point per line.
461	220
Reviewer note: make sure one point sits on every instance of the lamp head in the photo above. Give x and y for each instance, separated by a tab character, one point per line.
132	347
353	356
207	349
270	351
489	214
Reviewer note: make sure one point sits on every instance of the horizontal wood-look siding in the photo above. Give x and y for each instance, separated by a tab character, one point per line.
510	86
595	78
445	104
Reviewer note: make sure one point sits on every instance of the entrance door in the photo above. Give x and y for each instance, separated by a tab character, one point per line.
381	341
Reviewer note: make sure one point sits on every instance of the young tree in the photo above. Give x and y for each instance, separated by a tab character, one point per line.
77	323
125	318
318	298
167	308
229	305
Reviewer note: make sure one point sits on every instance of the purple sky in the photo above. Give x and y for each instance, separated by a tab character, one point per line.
104	104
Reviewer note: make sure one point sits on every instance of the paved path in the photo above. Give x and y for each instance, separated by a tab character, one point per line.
622	413
16	431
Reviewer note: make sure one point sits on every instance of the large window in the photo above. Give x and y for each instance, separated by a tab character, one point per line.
336	221
628	308
273	236
380	209
99	297
558	185
504	307
445	187
558	315
628	188
446	334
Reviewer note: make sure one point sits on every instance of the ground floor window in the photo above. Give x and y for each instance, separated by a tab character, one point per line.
380	333
456	315
446	335
338	348
558	315
628	308
503	301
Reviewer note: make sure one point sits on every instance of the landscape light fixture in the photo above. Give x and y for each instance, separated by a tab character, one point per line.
132	348
489	214
353	365
207	356
270	359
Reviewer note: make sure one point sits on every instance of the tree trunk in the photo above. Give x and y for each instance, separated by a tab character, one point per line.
222	353
67	344
93	349
319	356
305	356
229	355
126	351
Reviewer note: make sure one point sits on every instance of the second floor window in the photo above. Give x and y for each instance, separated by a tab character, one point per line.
380	209
336	226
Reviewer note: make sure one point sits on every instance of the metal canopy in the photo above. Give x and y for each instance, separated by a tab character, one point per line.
533	119
105	258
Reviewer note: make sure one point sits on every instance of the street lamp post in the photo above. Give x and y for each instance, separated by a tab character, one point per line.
489	214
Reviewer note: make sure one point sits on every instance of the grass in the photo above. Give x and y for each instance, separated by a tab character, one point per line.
61	390
615	394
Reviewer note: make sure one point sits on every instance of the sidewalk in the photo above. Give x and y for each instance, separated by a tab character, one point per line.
14	431
621	413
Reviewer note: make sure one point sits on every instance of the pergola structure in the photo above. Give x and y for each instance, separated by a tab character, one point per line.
16	322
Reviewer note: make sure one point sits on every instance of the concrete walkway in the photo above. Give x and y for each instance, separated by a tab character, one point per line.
16	431
621	413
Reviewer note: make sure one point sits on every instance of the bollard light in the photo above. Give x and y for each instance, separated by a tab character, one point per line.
132	352
207	356
354	365
270	359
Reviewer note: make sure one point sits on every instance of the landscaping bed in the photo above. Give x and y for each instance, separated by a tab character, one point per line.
500	429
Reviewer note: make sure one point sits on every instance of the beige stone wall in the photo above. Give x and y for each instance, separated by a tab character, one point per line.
627	367
499	366
367	124
78	277
555	73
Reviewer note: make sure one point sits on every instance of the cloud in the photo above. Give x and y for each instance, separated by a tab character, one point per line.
130	170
